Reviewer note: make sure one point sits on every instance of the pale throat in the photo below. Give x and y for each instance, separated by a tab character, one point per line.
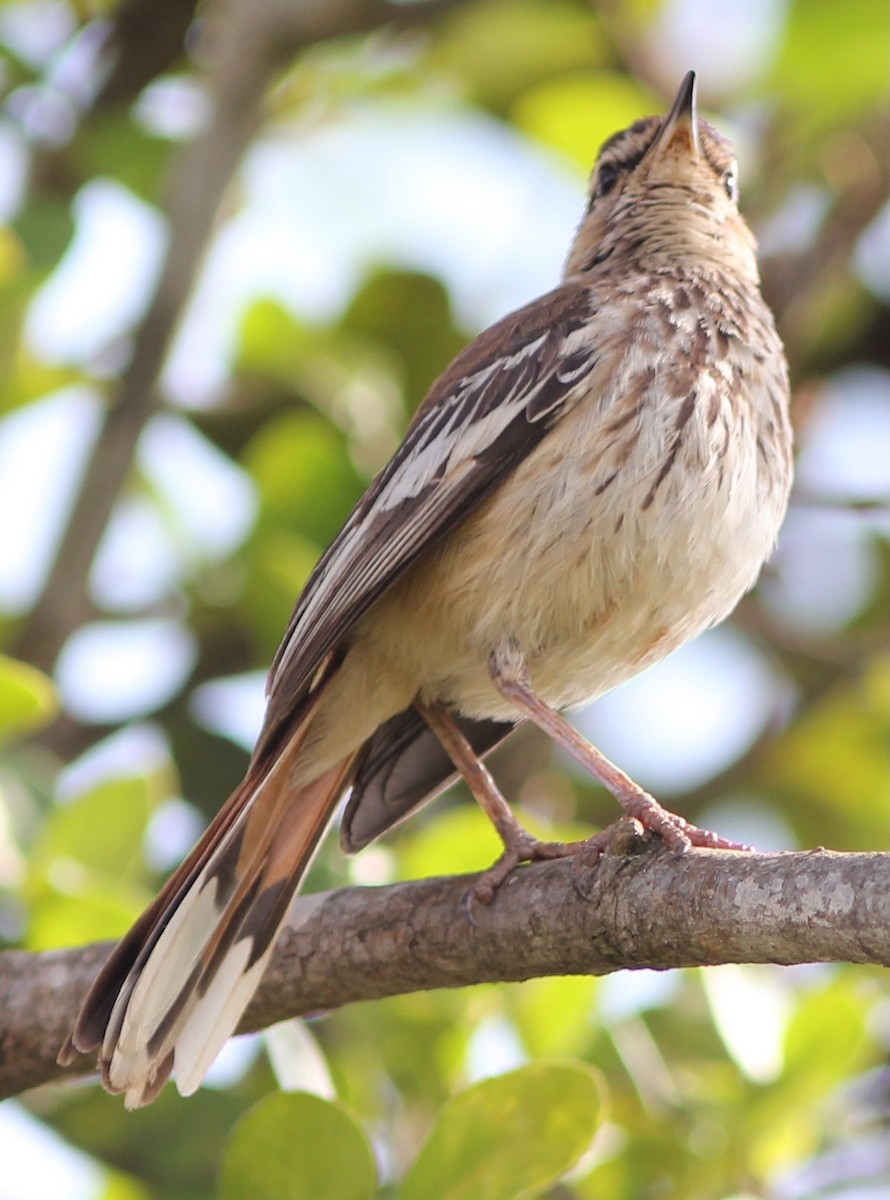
661	237
686	236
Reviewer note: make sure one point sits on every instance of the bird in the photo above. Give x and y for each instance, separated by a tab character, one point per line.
594	480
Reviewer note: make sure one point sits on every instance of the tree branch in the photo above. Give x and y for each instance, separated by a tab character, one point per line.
250	44
639	907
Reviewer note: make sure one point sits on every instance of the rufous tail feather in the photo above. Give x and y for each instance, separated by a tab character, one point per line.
175	988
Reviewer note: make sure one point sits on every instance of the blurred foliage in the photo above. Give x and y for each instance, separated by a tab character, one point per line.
28	699
298	1147
772	1083
546	1118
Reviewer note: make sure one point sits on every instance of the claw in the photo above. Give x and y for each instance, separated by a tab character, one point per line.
520	847
677	834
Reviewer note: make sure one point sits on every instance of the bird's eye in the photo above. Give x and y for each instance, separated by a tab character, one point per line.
606	178
731	183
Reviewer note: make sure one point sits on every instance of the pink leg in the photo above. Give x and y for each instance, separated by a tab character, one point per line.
519	846
511	679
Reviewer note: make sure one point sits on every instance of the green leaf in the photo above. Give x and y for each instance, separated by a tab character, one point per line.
279	562
271	341
79	911
28	699
80	879
831	764
113	145
576	113
831	70
123	1187
294	1146
410	315
508	1137
304	476
532	1006
462	839
834	1016
454	842
501	47
101	830
12	258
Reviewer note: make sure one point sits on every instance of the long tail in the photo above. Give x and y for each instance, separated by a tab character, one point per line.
175	987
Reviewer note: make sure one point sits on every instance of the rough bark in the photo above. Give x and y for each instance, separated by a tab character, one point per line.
639	907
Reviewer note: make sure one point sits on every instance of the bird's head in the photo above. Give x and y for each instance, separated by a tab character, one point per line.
663	189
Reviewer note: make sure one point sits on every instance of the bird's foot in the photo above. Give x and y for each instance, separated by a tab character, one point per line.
643	814
519	847
631	834
510	676
677	833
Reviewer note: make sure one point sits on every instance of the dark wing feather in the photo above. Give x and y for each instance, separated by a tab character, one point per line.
404	765
487	412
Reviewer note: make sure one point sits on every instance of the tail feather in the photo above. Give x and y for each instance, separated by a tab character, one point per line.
198	978
174	989
124	962
236	956
150	992
214	1016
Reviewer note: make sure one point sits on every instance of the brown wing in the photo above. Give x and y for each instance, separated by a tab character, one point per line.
487	412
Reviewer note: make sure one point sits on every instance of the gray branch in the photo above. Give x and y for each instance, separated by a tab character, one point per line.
640	907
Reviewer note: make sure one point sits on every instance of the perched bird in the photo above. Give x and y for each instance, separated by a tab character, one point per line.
593	481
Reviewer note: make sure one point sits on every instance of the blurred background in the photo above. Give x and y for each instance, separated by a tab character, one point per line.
237	243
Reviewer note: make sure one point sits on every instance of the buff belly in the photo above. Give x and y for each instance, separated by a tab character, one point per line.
591	584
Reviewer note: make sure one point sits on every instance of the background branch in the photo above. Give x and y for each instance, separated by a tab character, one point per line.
249	45
640	907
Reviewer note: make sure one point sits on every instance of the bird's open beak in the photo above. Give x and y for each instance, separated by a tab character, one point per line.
680	130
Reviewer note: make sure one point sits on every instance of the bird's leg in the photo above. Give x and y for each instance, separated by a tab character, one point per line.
519	845
510	676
